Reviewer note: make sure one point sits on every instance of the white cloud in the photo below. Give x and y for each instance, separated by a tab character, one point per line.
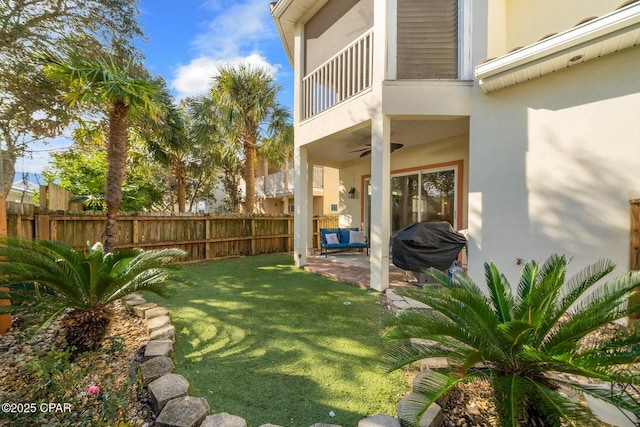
241	26
195	78
238	31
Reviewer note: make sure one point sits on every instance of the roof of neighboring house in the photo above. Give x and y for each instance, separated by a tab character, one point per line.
589	39
23	185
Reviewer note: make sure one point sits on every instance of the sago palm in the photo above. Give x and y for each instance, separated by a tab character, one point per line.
526	341
53	278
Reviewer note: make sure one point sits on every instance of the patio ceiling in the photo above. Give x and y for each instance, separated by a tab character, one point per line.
345	147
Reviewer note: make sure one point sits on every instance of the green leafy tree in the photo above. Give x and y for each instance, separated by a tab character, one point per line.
523	341
169	143
242	106
29	110
81	282
221	152
83	172
105	84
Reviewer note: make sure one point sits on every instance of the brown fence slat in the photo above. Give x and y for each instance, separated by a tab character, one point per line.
203	237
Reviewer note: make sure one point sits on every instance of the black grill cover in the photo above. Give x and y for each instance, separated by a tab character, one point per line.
421	245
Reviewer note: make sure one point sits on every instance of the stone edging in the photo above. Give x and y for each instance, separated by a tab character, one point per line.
168	392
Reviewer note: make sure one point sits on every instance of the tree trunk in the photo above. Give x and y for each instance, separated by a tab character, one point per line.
116	164
180	173
249	176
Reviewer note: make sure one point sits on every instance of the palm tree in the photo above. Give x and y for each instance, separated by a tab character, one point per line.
526	342
54	278
244	103
105	84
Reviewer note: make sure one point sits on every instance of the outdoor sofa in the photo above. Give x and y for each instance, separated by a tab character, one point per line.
342	239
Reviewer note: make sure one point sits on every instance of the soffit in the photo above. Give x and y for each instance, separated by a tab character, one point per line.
601	36
340	149
286	14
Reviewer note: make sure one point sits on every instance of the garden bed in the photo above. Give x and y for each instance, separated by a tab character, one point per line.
99	388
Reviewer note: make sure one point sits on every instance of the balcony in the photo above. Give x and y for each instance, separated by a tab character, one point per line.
274	185
343	76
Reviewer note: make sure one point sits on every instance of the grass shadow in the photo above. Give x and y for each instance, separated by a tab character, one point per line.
264	340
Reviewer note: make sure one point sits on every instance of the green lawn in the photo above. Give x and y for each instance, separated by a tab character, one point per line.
264	340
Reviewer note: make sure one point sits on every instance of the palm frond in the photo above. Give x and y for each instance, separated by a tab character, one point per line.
527	281
558	410
499	291
427	390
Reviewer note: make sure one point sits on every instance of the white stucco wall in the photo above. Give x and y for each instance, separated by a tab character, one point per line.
553	164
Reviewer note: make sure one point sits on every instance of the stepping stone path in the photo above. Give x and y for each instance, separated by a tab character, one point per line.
154	368
223	420
140	309
168	392
187	411
380	421
156	323
396	303
166	388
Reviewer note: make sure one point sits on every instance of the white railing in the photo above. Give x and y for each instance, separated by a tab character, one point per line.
318	177
346	74
275	182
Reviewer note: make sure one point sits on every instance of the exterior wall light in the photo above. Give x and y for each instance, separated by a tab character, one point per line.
352	193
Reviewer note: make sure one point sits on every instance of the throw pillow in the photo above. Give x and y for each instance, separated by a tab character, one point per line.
357	237
332	238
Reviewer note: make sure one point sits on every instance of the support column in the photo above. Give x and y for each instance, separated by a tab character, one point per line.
380	201
302	219
302	215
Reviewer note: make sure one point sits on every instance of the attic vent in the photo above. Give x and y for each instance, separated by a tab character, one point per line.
427	39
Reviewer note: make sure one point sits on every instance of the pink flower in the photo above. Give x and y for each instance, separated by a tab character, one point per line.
93	389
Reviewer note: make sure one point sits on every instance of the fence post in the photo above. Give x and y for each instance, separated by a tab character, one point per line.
135	238
44	197
207	236
42	227
253	236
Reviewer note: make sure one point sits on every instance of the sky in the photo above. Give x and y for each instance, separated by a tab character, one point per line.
187	40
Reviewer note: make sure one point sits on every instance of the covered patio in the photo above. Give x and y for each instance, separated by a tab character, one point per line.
351	267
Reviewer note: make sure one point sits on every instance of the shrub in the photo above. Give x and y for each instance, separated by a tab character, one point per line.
81	283
526	342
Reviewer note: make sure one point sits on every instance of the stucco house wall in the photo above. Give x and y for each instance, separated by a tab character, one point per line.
553	166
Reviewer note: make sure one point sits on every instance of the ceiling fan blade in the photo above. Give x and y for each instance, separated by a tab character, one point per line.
366	153
395	146
362	149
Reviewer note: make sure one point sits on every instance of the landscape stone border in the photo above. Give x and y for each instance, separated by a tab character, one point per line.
169	393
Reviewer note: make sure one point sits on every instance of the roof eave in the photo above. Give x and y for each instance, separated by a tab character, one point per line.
278	14
574	46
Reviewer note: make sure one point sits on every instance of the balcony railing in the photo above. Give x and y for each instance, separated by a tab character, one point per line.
318	177
273	185
343	76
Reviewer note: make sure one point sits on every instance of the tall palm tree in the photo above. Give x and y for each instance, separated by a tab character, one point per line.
525	341
249	113
105	84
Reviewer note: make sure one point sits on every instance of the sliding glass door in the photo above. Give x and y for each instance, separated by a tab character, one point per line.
425	195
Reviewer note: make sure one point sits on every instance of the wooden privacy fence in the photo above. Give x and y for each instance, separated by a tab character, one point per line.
201	236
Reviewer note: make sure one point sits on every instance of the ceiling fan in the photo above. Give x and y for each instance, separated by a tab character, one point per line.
366	151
